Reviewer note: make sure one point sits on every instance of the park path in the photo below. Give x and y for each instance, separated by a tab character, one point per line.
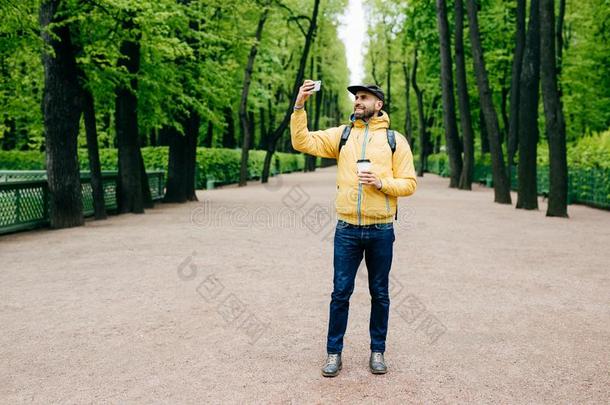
226	301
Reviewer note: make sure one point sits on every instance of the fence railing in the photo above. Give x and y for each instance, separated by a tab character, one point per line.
24	196
590	186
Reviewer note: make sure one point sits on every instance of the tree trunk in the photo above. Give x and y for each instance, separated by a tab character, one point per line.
191	130
279	131
146	194
180	185
61	108
408	123
153	137
307	157
318	113
513	122
262	144
243	105
207	142
484	137
504	91
463	99
252	126
387	107
449	119
129	185
501	184
97	186
177	168
429	124
419	94
555	124
267	166
228	136
527	195
559	34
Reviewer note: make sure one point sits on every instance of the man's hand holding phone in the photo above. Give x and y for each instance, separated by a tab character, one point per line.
306	90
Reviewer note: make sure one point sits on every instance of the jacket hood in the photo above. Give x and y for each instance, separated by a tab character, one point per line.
380	121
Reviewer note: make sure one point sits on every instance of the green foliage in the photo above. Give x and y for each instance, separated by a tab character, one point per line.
395	30
22	160
193	56
21	77
591	151
220	165
585	76
588	166
585	66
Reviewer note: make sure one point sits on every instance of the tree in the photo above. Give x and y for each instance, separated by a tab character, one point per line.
243	105
449	120
527	195
408	123
279	131
513	126
555	124
501	184
463	99
423	138
61	109
89	117
97	184
130	196
182	160
175	188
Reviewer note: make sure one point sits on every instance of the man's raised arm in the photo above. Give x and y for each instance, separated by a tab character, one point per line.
318	143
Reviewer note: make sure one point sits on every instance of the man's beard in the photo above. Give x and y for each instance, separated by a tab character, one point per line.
365	114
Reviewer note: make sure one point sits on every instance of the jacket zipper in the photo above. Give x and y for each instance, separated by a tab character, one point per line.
366	133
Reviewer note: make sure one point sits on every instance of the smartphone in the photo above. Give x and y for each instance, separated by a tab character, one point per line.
317	85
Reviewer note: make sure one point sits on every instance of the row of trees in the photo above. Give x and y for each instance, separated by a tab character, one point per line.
496	59
180	73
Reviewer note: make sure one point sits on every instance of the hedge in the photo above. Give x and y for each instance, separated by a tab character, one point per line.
588	170
217	164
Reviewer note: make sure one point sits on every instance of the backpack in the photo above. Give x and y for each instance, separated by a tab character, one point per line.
391	142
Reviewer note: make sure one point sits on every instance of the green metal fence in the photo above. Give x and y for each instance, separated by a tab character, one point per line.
24	197
585	186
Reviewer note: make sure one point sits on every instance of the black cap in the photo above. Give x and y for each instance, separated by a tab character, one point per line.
370	88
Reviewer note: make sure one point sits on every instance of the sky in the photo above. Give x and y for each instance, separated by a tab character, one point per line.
352	31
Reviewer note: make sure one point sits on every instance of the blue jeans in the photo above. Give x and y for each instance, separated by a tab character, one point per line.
351	243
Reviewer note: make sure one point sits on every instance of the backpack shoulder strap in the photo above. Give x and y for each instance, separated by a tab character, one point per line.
348	128
392	143
392	140
344	136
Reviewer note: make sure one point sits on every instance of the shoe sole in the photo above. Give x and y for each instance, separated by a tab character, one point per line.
332	374
378	371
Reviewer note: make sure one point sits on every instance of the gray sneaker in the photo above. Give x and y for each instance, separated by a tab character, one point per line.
377	363
333	365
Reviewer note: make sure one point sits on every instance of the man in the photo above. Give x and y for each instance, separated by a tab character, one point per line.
366	203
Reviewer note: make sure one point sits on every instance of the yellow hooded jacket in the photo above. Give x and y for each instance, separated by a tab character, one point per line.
356	203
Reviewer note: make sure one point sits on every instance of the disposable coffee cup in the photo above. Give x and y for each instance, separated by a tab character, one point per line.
364	165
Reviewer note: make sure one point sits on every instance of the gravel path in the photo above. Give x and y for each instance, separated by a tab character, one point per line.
226	301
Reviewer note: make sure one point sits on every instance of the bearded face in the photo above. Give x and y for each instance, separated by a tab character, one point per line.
366	105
